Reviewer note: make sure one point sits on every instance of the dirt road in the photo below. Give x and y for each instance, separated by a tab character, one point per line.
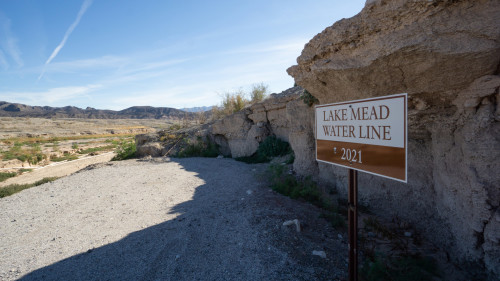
58	169
165	219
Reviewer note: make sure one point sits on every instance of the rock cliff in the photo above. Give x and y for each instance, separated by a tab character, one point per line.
445	55
240	134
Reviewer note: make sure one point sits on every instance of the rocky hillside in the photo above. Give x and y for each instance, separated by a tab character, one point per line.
446	55
136	112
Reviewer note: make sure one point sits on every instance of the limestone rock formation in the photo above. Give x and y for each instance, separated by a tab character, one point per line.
149	144
240	134
446	56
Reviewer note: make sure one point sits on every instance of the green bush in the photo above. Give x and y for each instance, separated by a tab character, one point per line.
199	149
96	149
32	155
308	98
125	150
68	157
288	185
336	220
258	93
4	176
406	268
270	147
236	101
15	188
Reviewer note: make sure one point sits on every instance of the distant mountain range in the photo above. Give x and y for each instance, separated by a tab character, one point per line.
135	112
197	109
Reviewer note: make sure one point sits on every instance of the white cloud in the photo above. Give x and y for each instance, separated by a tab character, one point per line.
3	61
293	46
52	96
97	63
9	44
86	4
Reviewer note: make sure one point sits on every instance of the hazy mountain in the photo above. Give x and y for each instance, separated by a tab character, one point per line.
135	112
197	109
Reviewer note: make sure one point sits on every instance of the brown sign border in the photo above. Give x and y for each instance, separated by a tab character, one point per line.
349	144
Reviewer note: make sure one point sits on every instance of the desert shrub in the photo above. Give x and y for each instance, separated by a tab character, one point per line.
270	147
273	146
231	103
15	188
97	149
174	127
33	154
290	159
125	150
67	157
202	117
74	145
401	268
258	93
336	220
289	185
308	98
199	149
4	176
236	101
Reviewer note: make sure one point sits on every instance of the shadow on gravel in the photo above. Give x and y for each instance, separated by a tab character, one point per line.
214	237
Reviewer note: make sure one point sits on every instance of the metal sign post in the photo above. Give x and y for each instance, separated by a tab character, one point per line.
352	198
367	135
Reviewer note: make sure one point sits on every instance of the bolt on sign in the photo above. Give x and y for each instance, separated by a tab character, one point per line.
367	135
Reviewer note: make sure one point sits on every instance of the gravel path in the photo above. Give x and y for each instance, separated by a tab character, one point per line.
164	219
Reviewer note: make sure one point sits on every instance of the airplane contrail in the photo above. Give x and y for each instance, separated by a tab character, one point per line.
83	9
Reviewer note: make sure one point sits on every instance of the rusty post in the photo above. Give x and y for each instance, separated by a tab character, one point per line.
352	198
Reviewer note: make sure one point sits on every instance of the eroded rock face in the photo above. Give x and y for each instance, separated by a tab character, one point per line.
149	144
445	55
240	134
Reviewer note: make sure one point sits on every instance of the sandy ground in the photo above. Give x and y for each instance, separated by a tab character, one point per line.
44	127
58	169
165	219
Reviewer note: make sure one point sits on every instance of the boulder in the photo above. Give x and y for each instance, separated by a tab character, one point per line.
148	144
234	129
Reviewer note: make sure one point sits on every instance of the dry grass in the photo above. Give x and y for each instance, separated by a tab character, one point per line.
66	139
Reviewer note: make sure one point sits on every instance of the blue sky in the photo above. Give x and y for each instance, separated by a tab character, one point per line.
112	54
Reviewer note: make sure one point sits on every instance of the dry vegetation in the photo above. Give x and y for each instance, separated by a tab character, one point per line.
233	102
35	142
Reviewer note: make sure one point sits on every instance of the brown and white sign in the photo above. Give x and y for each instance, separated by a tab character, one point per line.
368	135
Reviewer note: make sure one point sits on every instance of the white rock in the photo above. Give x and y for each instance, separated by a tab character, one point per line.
297	225
321	254
295	221
220	156
249	192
